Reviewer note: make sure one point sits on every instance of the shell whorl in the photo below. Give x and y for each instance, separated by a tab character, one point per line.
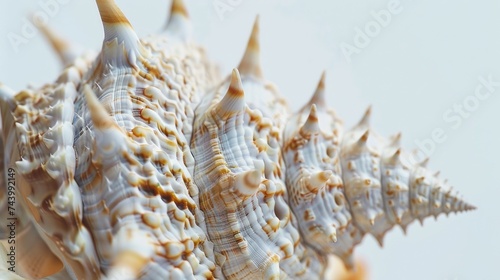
140	162
369	187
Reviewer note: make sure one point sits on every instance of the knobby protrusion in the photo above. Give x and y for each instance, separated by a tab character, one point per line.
234	100
178	25
316	181
372	216
248	182
272	271
399	215
311	126
329	231
250	63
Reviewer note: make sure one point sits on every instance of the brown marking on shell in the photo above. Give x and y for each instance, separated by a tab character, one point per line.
110	13
250	63
179	8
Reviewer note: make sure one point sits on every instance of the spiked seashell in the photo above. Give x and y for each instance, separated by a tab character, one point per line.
142	163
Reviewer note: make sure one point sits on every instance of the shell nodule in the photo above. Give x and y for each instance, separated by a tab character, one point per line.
141	162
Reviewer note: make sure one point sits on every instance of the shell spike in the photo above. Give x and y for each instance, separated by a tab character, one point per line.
234	100
178	25
316	181
424	162
364	138
311	126
395	157
437	174
64	49
395	140
248	182
250	63
404	228
318	97
110	139
380	240
98	113
365	120
121	44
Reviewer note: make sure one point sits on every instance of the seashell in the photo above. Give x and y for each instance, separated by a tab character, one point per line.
141	162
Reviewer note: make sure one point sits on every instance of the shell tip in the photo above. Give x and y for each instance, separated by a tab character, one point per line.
234	100
380	241
250	63
178	24
318	97
111	13
179	8
60	45
311	126
365	120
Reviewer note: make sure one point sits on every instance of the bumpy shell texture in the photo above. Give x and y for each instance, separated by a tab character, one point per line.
141	162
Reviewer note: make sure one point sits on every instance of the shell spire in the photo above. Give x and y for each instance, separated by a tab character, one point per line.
178	25
234	100
250	63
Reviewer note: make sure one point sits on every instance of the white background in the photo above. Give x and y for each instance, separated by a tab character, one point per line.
428	58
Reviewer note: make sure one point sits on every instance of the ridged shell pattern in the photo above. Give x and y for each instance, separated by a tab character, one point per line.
140	162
